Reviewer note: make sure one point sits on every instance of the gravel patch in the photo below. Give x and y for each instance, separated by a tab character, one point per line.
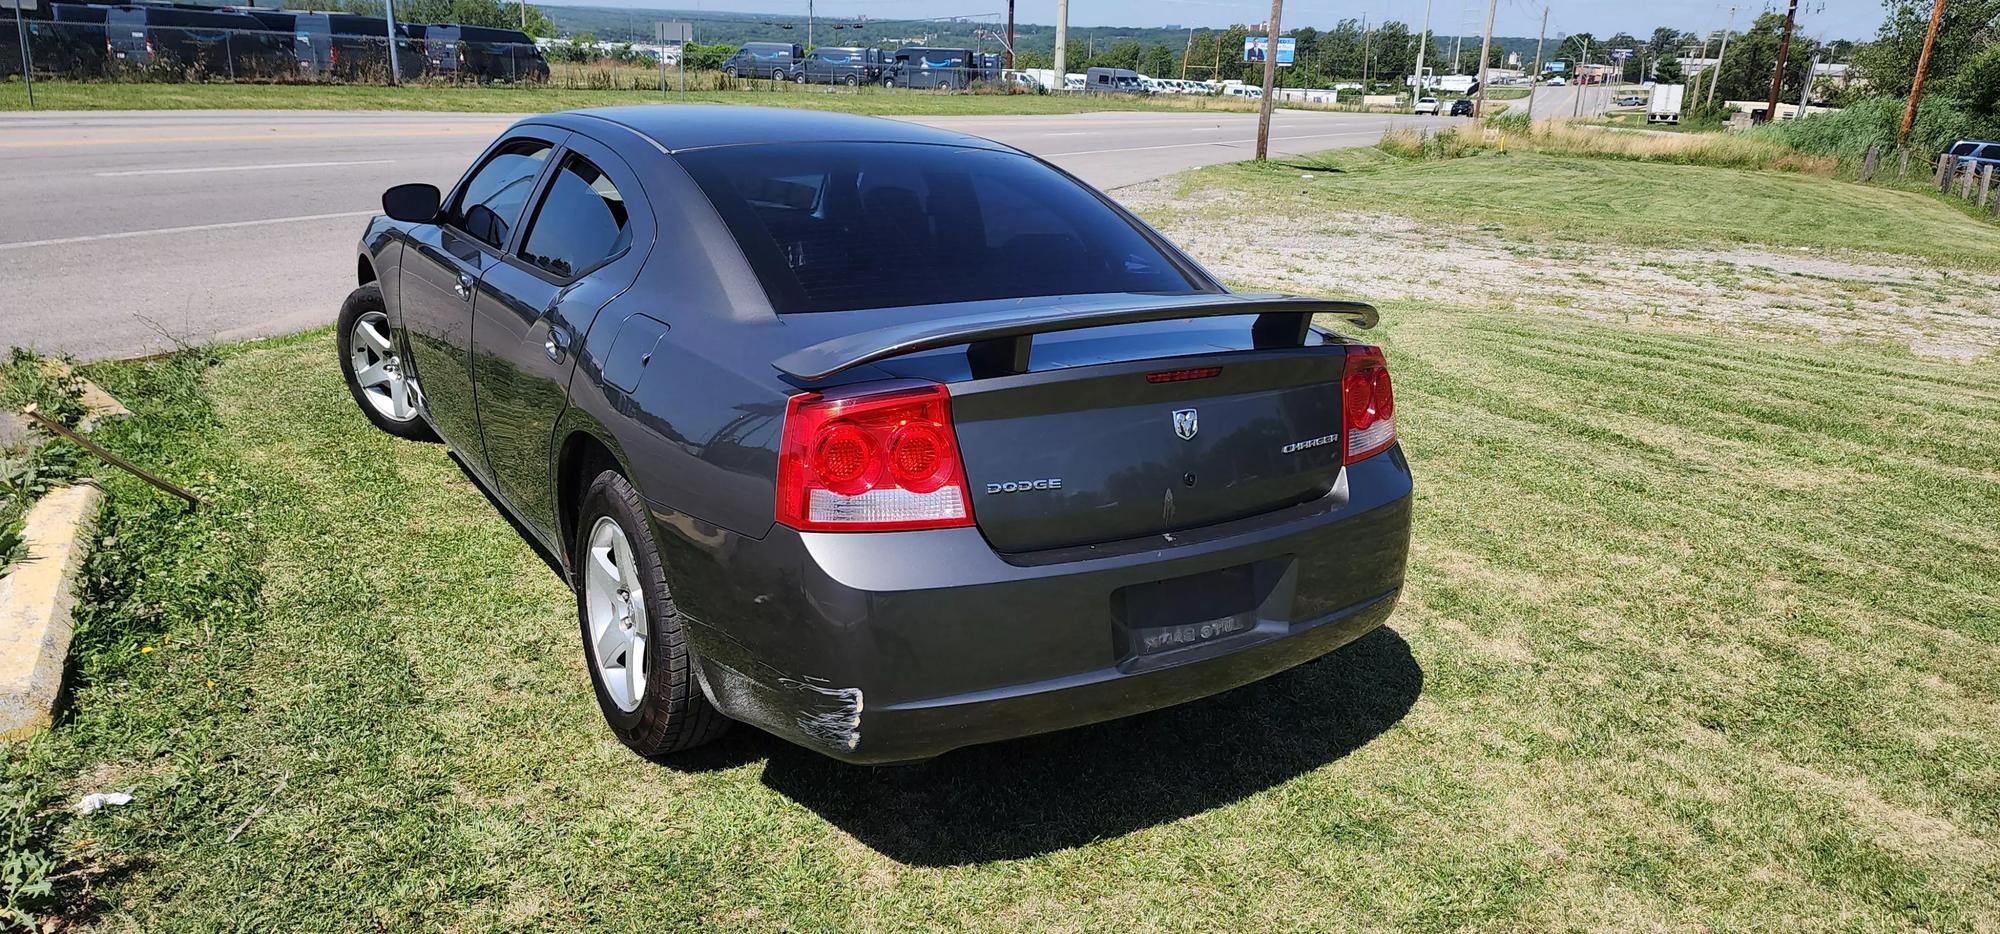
1937	312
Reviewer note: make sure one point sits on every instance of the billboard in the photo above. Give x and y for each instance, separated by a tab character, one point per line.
1556	66
1255	47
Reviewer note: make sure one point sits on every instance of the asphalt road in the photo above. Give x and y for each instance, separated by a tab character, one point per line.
125	233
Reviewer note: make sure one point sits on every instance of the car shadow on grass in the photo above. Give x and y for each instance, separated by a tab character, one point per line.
1046	793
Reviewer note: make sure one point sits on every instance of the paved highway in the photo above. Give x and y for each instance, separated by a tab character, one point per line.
123	233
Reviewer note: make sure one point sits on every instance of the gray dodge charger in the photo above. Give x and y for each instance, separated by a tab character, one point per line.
884	439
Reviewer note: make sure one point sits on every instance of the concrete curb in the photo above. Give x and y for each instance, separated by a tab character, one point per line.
38	593
36	597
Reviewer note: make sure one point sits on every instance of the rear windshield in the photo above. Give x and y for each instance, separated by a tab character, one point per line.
839	226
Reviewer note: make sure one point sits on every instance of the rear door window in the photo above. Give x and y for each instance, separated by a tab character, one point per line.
1989	151
839	226
490	204
582	222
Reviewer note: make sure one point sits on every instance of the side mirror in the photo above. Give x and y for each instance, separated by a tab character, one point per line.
415	203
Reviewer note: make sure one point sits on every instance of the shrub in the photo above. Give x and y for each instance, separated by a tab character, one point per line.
1846	134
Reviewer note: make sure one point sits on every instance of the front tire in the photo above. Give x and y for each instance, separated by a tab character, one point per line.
634	644
853	81
371	362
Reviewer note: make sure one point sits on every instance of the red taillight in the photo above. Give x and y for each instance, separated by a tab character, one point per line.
1368	405
873	462
1180	376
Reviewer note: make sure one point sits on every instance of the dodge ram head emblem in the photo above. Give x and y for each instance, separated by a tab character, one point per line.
1185	424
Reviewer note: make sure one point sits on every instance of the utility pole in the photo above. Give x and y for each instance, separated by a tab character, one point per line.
1062	44
1010	35
809	24
1536	75
1917	86
1423	41
1186	53
1576	103
1724	51
1485	50
1778	75
1270	81
1805	96
524	15
1364	53
389	17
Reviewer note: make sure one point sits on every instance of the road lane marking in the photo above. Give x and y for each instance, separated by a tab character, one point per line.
240	168
1212	142
191	228
271	136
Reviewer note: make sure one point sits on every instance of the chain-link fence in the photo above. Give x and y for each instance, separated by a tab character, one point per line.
167	44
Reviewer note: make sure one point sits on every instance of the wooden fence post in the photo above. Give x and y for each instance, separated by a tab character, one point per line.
1903	165
1942	180
1965	180
1868	162
1985	182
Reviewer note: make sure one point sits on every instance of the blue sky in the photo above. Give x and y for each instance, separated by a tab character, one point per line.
1826	19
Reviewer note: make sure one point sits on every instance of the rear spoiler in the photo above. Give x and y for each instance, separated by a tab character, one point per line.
998	342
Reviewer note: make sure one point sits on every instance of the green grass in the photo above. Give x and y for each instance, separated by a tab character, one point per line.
1585	200
77	95
1700	632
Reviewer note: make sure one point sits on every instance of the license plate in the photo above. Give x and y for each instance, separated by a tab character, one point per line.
1167	638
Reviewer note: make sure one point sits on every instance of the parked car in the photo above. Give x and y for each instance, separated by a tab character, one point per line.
1557	83
774	60
840	65
849	488
1427	105
1975	151
1462	107
1631	100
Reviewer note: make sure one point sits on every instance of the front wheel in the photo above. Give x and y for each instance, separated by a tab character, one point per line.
633	640
374	369
853	81
800	77
729	73
777	74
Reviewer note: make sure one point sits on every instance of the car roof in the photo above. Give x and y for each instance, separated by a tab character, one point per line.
680	127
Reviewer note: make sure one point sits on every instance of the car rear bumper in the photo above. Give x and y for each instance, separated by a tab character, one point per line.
890	647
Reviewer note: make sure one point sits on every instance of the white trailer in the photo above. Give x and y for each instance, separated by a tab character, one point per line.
1666	103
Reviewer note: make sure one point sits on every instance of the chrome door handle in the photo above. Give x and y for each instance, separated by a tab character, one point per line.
463	286
556	346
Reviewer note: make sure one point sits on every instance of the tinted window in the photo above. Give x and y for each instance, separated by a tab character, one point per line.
1990	151
491	202
837	226
1961	149
582	221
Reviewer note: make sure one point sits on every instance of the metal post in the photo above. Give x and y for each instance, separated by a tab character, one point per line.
1270	82
395	67
1805	96
687	39
27	58
1576	105
1010	39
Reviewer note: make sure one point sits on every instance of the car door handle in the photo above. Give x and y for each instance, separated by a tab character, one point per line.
463	286
557	345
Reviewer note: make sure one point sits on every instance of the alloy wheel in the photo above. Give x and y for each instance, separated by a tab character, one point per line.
378	369
615	605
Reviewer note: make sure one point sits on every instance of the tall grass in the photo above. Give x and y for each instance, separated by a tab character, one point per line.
1564	138
1846	134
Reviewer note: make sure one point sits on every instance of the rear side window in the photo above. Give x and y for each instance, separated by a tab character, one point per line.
582	221
1961	149
492	200
1989	151
841	226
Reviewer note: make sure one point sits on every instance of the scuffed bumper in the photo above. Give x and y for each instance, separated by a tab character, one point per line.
890	647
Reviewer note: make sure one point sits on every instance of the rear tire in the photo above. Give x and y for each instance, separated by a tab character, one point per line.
853	81
627	618
777	74
371	363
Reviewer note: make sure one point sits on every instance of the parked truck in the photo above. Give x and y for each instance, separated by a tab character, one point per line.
1666	104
